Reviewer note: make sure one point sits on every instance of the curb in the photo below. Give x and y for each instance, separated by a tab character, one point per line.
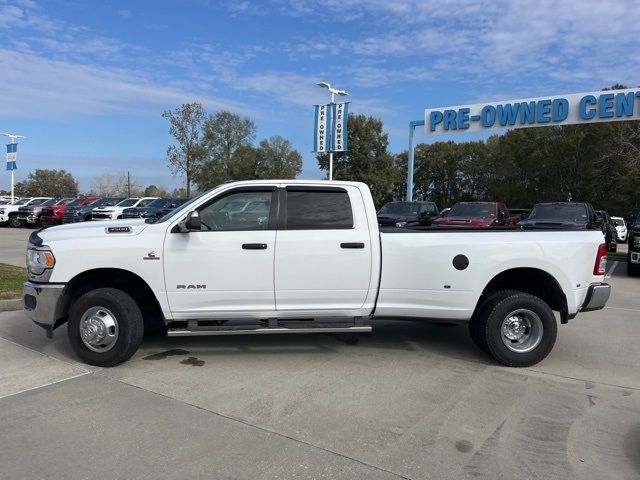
10	305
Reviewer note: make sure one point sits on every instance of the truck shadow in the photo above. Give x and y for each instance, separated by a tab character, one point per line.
445	340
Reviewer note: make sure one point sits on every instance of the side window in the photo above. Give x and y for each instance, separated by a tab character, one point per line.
318	210
37	202
237	211
146	202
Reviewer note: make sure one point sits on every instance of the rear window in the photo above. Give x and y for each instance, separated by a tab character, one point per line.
567	212
318	210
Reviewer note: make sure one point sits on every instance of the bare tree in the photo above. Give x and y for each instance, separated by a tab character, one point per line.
185	125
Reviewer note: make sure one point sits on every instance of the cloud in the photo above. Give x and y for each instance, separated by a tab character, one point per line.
125	13
36	87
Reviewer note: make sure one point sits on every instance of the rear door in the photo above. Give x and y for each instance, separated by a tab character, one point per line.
323	249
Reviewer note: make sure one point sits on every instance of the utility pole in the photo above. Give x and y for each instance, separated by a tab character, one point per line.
128	184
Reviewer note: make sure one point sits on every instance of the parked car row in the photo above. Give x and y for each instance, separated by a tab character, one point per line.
45	211
548	215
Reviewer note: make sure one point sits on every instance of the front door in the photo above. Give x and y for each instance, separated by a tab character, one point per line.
226	268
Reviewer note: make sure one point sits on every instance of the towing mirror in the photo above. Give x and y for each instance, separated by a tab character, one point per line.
190	224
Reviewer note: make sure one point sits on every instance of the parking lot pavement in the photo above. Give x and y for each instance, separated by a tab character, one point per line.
13	243
411	400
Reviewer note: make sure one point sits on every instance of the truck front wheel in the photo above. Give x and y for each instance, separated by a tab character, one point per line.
105	327
518	329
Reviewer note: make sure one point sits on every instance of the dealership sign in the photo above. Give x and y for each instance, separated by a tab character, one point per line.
330	128
593	107
12	153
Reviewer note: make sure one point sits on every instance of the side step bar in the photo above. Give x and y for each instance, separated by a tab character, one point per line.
261	331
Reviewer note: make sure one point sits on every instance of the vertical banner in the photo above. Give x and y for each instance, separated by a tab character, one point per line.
339	116
322	139
12	153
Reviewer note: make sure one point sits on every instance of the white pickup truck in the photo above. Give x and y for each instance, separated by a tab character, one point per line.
307	256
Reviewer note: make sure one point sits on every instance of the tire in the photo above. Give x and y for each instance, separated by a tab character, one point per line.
538	328
122	319
14	222
633	269
476	326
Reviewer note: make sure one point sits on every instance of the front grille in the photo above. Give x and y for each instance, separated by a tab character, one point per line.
131	215
102	215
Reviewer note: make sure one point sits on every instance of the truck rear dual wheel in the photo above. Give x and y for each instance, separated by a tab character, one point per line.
516	328
105	327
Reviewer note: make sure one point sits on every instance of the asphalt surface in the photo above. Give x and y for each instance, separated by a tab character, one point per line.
411	400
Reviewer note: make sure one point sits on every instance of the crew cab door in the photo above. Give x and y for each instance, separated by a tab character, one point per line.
323	250
226	268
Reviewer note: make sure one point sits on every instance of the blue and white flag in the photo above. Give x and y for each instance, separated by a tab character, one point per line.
339	116
12	153
322	139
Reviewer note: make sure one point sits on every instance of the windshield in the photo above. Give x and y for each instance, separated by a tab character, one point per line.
559	212
22	202
472	210
400	208
127	202
48	203
76	203
619	222
184	207
158	202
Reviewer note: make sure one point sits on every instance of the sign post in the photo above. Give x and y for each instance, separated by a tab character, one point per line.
334	116
12	154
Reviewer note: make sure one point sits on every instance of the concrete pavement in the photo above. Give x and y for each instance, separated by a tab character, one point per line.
13	244
410	401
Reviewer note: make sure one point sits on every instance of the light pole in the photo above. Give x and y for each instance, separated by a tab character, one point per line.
12	138
334	92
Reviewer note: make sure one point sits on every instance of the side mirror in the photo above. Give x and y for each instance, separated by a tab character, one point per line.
190	224
501	216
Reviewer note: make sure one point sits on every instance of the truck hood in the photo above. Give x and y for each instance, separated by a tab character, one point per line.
85	230
463	222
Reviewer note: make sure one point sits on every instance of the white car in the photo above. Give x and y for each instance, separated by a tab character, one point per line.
115	212
621	228
9	213
308	257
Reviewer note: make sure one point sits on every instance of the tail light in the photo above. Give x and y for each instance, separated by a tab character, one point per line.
600	268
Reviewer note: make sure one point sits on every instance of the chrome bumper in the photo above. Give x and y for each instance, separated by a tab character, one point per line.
597	296
41	302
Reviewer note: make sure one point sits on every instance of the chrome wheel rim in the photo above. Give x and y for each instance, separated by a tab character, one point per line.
521	331
99	329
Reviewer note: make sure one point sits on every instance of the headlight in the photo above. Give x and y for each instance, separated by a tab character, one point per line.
39	259
1	212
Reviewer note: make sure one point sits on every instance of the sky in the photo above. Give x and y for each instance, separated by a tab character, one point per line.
87	81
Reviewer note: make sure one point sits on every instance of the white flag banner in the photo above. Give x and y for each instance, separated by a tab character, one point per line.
321	141
340	115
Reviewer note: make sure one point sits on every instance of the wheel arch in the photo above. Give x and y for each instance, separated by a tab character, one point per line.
533	281
118	278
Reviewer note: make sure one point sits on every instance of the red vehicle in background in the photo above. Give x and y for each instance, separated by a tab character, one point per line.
478	214
53	215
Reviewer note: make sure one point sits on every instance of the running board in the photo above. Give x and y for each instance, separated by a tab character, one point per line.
262	331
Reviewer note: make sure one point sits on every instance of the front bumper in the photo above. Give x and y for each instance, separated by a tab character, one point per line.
42	302
48	221
4	218
31	219
597	296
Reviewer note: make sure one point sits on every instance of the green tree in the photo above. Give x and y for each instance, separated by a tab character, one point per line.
367	160
224	134
276	158
185	126
48	183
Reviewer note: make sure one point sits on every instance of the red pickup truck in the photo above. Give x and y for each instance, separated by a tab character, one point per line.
53	215
478	214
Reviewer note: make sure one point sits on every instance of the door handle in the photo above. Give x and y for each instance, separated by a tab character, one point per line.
352	245
254	246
